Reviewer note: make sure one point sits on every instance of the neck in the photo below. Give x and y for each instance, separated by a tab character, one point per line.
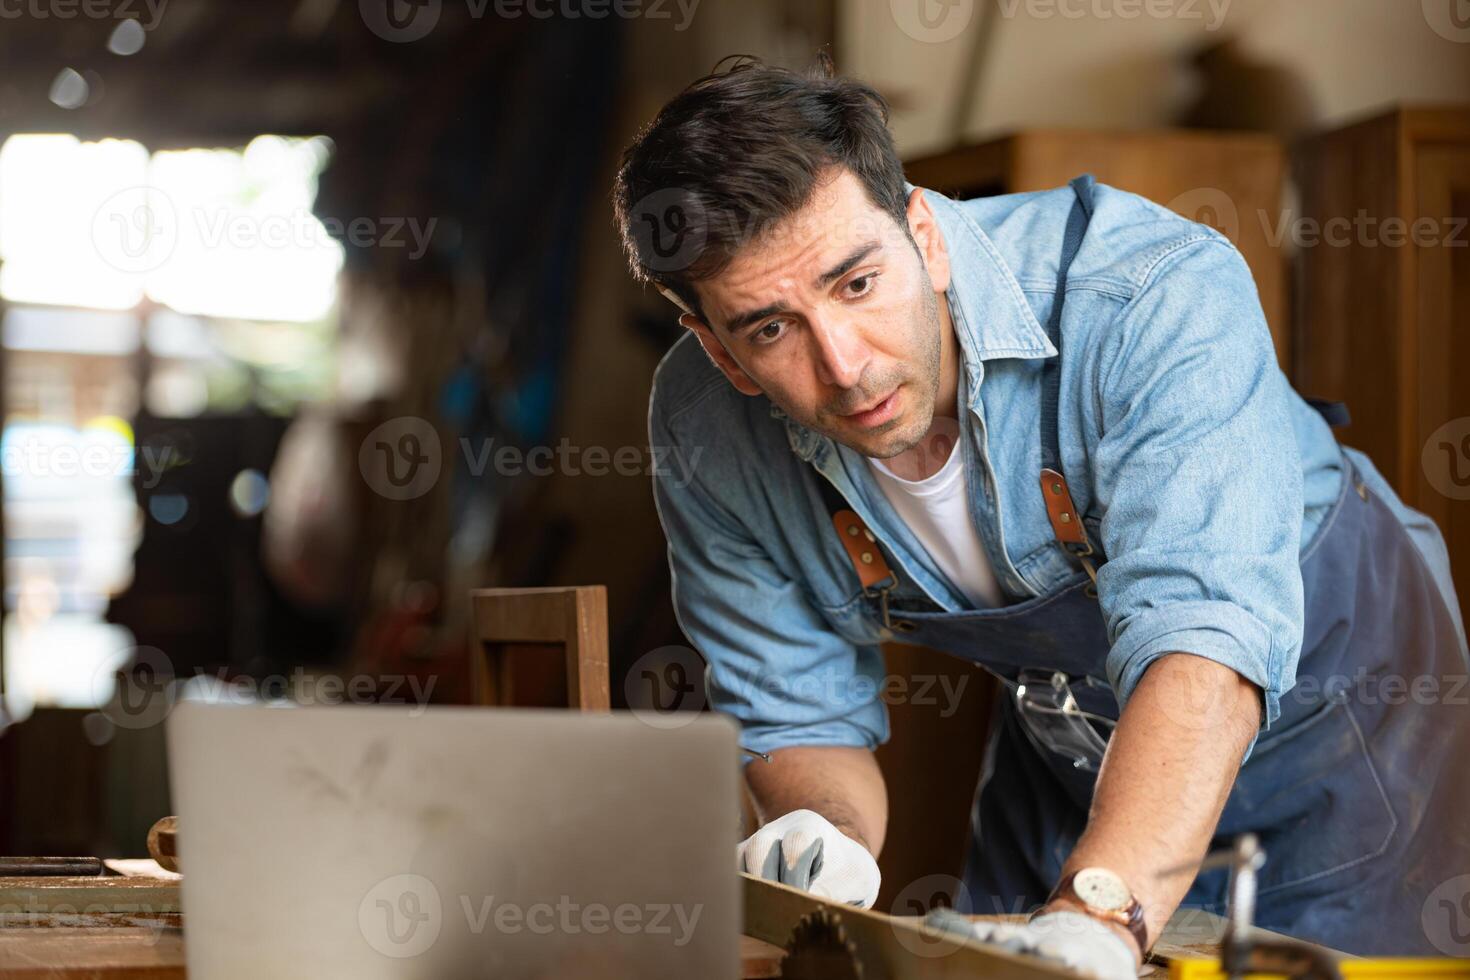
946	403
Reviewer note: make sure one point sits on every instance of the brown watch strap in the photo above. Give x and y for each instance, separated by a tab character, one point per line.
1131	918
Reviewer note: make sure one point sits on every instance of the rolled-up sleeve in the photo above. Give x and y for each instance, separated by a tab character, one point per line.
774	663
1198	479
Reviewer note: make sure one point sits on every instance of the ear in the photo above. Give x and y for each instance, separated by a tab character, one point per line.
927	236
717	353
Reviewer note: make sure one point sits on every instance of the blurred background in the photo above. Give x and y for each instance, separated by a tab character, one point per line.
293	290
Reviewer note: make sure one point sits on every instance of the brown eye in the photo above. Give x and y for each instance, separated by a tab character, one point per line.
861	285
770	332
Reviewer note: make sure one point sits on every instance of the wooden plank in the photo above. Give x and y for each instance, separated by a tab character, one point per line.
136	953
906	949
896	947
88	895
759	959
158	953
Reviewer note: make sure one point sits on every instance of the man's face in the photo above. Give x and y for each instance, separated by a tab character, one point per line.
834	315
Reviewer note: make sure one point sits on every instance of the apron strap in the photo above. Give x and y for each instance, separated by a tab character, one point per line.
1066	523
1335	414
873	571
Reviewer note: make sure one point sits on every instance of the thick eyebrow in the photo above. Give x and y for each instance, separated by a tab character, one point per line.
741	321
846	265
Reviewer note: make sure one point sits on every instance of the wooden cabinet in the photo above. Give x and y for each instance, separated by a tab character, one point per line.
1232	181
1384	306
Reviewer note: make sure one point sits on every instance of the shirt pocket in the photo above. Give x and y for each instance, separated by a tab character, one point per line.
1314	798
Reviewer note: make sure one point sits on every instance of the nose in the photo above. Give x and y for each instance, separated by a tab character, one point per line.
841	352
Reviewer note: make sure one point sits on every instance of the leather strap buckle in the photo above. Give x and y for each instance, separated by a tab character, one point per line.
867	560
1066	523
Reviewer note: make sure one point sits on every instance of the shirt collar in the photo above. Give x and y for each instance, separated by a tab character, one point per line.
991	316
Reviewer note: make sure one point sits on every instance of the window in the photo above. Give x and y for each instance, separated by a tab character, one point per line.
209	264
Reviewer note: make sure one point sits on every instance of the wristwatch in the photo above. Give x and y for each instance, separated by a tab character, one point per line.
1104	895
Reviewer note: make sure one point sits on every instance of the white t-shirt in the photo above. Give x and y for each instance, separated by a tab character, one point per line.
936	509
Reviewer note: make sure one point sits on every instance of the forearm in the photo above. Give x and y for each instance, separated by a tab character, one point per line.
1169	768
844	785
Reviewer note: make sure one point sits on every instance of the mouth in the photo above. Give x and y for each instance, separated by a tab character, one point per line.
877	413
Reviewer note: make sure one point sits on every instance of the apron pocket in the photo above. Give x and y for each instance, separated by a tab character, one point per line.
1313	797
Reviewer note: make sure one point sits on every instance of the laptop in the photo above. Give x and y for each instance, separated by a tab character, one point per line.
394	842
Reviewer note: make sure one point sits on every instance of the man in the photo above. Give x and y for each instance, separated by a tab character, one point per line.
1045	433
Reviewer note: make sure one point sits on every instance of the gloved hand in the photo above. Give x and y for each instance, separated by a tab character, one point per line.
803	850
1070	938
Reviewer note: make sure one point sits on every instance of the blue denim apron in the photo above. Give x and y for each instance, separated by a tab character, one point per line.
1358	798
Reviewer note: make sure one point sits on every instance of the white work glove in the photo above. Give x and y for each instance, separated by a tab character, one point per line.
803	850
1069	938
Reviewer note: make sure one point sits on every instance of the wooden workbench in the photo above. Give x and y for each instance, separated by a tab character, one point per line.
131	927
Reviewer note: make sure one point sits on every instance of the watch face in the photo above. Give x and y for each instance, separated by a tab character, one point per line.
1102	889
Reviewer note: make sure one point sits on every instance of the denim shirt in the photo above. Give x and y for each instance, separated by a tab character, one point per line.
1199	471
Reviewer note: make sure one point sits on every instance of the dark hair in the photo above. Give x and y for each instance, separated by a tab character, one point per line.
736	152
